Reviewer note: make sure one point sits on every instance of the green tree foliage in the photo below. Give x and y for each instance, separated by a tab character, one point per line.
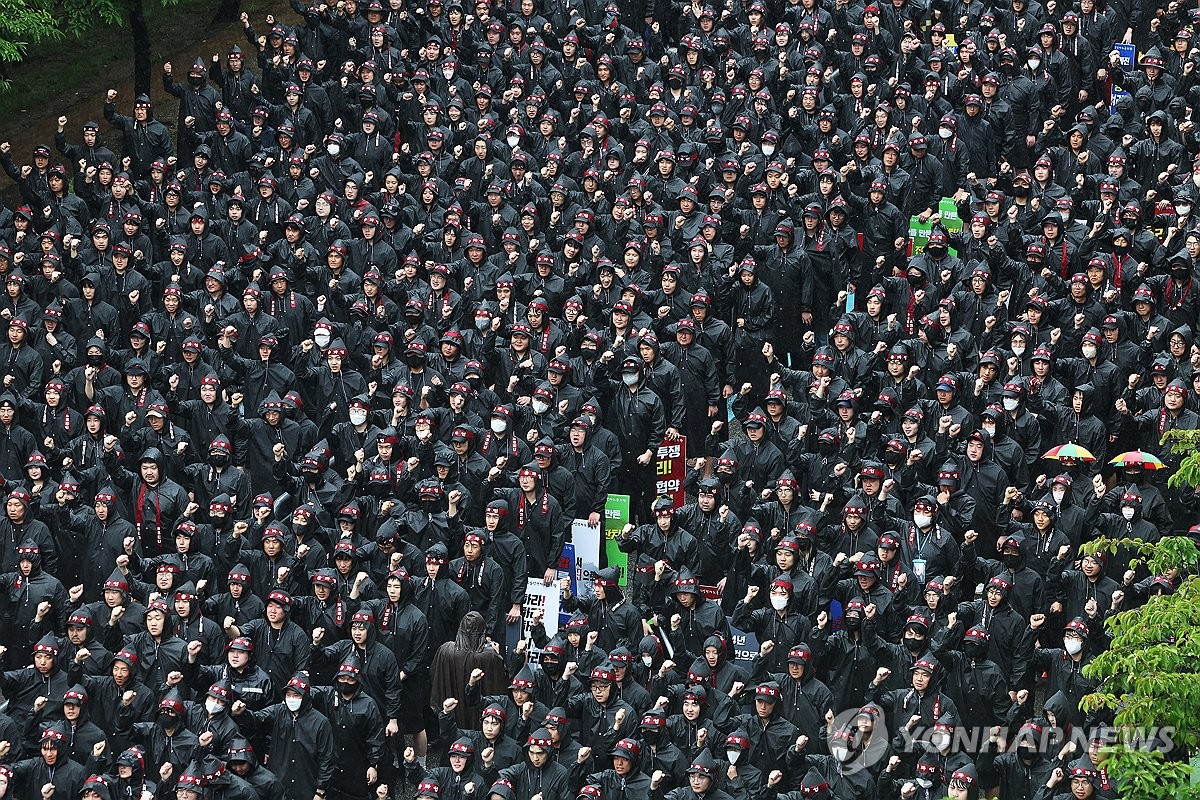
22	23
79	15
26	22
1186	445
1150	675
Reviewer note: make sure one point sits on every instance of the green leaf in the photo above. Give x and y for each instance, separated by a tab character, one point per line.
1149	677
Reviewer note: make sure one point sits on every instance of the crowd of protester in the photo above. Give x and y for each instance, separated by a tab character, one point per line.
300	389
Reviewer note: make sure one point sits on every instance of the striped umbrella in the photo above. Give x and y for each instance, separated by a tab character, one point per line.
1069	450
1147	460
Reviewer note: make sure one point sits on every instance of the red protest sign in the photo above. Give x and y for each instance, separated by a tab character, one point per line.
670	468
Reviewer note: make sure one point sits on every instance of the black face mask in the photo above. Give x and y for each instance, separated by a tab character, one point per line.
651	735
916	281
553	668
914	644
1120	249
218	459
975	651
1020	191
892	458
196	80
168	720
415	360
1029	756
827	448
347	689
588	352
852	623
96	360
431	506
1011	560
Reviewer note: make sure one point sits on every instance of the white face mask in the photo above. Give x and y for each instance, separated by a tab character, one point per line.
333	149
1128	512
1011	403
358	417
732	756
648	660
1088	350
499	426
922	520
482	323
1072	645
924	783
1058	495
945	133
448	73
1183	209
1034	63
513	141
768	149
629	378
1066	217
990	428
292	703
1018	350
540	406
321	339
940	740
213	706
779	602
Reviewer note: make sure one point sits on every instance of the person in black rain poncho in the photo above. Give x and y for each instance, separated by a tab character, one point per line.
302	745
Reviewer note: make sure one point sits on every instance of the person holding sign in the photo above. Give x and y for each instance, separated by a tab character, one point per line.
616	620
